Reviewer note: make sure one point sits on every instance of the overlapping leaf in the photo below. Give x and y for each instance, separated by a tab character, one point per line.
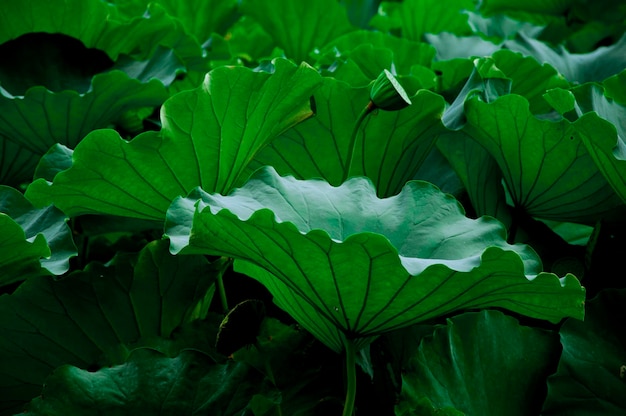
89	317
34	241
209	136
546	166
460	367
390	147
590	376
298	27
600	122
366	265
150	383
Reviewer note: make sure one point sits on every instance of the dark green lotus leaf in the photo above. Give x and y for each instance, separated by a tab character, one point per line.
99	25
405	52
479	173
482	363
19	257
592	371
546	166
20	120
598	65
47	224
365	265
602	127
390	146
424	407
299	27
209	136
415	18
201	18
149	383
90	317
298	378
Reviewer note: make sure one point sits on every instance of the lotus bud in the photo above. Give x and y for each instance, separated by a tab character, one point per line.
388	94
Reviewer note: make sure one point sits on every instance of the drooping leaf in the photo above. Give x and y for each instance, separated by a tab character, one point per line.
209	136
90	317
299	27
19	258
545	165
21	117
591	373
357	266
482	364
45	226
149	383
600	122
598	65
390	147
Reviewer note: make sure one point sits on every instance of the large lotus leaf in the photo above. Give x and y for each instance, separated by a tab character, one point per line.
89	317
367	265
209	136
468	365
590	376
546	167
390	146
149	383
47	222
415	18
299	27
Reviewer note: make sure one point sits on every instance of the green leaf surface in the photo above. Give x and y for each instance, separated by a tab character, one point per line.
47	223
43	118
579	68
299	27
545	165
101	310
390	147
19	258
366	265
405	52
591	373
149	383
200	18
418	17
602	126
100	25
479	173
209	136
482	364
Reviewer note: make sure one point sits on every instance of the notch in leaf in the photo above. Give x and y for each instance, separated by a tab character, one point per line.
240	326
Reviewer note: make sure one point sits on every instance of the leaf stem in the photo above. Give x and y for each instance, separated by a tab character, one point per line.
348	407
352	144
220	286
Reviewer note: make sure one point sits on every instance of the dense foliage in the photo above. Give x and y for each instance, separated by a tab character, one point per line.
254	207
